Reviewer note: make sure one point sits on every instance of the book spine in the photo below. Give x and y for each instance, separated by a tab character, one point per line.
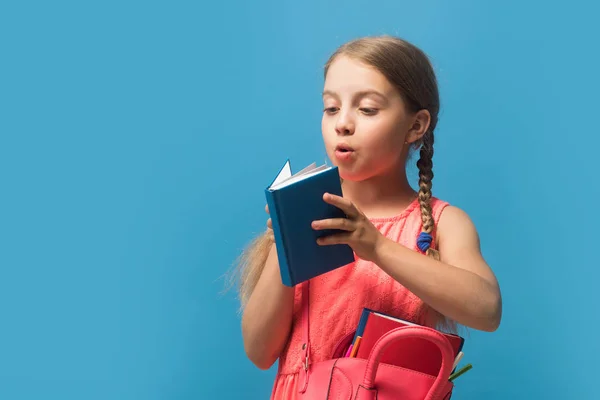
275	214
362	322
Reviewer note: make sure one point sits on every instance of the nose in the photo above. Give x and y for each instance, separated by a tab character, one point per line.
345	124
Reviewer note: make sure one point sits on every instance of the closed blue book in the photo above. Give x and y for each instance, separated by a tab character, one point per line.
295	201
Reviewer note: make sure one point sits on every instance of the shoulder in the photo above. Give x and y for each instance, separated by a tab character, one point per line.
454	218
455	225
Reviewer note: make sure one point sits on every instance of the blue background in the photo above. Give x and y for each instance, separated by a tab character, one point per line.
136	139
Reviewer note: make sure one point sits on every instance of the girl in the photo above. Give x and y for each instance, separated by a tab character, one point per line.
417	257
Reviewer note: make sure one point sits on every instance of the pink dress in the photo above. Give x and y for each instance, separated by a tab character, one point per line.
338	297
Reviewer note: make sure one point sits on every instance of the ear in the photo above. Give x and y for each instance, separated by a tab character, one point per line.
419	127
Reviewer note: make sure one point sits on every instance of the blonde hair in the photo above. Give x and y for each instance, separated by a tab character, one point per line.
250	265
410	71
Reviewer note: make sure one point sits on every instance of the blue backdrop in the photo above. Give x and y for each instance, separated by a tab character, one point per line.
136	139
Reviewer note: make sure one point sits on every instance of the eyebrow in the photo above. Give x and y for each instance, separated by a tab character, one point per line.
360	94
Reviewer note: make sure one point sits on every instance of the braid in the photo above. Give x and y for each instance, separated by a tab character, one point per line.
425	165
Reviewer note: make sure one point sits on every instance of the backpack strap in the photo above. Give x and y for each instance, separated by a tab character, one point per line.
304	373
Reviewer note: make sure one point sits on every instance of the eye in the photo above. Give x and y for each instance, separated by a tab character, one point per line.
369	111
330	110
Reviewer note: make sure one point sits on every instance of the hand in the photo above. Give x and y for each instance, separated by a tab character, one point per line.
270	233
359	233
269	223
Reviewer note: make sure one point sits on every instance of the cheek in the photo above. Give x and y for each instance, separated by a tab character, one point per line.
384	138
326	131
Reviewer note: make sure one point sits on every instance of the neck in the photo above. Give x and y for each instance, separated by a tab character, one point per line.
380	196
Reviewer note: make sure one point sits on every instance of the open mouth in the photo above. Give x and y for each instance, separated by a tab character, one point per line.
344	153
342	148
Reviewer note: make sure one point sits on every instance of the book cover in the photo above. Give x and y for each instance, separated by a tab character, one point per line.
416	354
295	201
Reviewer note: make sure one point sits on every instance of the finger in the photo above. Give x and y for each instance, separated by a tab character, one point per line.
343	204
267	208
269	223
338	238
333	223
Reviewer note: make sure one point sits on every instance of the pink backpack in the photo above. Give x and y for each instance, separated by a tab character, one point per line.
358	379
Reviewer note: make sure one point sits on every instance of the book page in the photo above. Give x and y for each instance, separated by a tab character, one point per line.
307	169
395	319
285	173
305	173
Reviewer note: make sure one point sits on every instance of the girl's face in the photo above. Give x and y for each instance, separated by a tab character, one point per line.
365	122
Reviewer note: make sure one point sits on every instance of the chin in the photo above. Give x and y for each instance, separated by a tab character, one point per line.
349	175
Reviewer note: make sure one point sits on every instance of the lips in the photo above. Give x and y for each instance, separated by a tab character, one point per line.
343	148
344	153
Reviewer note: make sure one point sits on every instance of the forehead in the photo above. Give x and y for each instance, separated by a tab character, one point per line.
346	74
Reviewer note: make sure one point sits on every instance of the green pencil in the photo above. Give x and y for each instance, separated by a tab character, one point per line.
460	372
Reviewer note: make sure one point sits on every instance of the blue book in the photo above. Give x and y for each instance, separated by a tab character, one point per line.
295	201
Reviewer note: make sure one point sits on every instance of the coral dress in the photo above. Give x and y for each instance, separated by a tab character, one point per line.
338	297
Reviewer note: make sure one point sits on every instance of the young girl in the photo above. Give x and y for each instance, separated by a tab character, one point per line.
417	257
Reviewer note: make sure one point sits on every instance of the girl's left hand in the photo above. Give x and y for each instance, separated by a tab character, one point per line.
360	233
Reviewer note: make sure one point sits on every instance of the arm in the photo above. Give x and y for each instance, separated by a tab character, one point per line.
267	317
461	285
